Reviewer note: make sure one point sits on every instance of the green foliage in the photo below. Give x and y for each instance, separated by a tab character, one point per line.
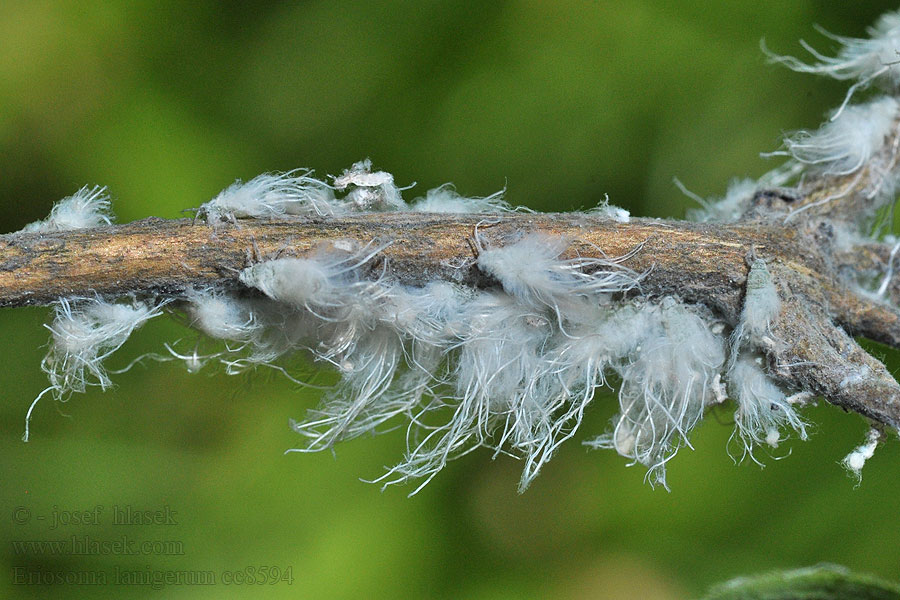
824	582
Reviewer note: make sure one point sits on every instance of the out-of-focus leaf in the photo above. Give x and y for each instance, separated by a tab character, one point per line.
824	582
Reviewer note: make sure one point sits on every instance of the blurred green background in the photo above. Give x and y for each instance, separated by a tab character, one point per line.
561	102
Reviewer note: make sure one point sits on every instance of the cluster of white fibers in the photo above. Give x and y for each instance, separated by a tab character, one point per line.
271	195
415	326
88	207
846	143
607	210
865	60
728	209
856	460
509	369
324	305
514	382
221	316
362	190
445	199
230	318
740	196
668	367
763	410
493	391
533	271
85	332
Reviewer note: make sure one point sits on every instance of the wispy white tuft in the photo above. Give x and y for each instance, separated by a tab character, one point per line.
741	196
310	282
85	332
271	195
88	207
322	303
846	143
728	209
533	271
397	323
668	379
763	410
865	60
856	460
300	282
445	199
605	209
367	190
358	189
222	316
494	391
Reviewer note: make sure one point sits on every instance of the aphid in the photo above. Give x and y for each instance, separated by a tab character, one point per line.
369	191
88	207
761	308
271	195
445	199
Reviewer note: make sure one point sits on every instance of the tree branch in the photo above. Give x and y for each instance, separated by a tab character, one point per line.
699	263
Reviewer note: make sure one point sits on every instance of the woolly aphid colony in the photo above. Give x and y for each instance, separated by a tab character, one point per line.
513	367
